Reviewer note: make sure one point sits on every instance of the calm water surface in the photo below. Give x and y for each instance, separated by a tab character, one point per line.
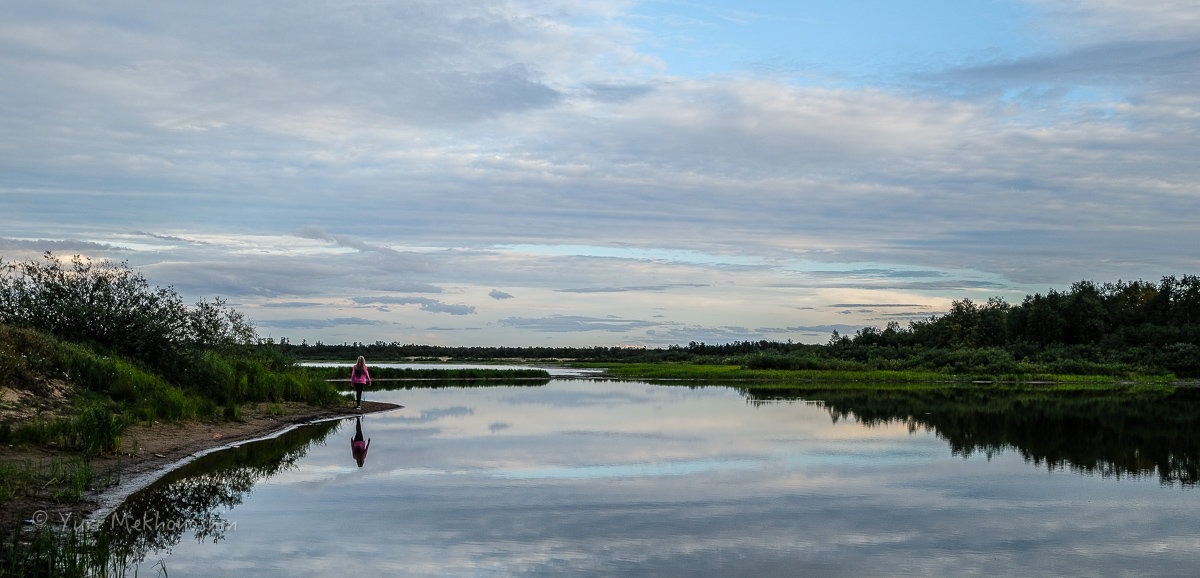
583	477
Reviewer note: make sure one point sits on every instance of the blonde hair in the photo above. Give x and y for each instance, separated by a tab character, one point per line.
362	362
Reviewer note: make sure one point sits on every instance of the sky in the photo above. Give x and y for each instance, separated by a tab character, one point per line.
579	173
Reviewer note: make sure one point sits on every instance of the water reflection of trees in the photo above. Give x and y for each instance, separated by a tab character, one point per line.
193	498
1133	432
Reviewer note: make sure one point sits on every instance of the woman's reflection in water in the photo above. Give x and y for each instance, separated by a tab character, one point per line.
357	446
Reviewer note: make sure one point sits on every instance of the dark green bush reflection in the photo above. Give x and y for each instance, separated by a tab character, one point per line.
192	498
1134	432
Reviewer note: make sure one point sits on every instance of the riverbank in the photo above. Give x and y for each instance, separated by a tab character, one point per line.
150	451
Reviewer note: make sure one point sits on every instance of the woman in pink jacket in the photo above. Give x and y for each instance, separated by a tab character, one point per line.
359	376
358	447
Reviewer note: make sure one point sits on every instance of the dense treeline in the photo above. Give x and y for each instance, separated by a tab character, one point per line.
379	374
383	351
1122	328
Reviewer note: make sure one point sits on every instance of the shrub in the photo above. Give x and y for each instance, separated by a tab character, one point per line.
99	430
113	306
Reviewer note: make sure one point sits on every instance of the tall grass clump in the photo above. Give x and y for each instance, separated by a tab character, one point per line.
99	430
51	551
96	430
258	376
15	479
59	479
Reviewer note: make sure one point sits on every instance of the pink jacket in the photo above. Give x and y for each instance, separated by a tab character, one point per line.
356	377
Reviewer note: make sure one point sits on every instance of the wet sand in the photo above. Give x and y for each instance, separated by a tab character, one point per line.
149	452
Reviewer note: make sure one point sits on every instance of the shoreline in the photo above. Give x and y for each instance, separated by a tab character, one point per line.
149	452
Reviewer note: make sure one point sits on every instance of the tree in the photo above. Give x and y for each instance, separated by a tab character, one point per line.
993	323
113	306
1043	318
1084	314
962	324
1128	303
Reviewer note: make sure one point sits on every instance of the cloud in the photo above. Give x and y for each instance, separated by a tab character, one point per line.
438	307
170	238
702	334
319	323
1111	64
22	246
651	288
431	305
391	258
575	323
436	414
877	273
877	305
826	329
560	150
1084	22
258	276
291	304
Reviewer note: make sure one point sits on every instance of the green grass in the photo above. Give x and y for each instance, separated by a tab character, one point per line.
63	480
211	384
96	430
865	378
15	479
106	393
51	550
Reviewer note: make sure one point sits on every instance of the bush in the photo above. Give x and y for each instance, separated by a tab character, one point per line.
116	308
99	430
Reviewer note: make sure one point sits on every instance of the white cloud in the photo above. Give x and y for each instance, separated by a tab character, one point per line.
1115	20
339	155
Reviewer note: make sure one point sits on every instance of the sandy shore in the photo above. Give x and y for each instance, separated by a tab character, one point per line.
149	452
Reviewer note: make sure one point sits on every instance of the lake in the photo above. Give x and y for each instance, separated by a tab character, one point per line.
595	477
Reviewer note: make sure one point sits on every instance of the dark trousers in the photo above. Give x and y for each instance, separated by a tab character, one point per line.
358	393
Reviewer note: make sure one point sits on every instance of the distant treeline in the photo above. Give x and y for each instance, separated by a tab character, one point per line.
498	374
1118	329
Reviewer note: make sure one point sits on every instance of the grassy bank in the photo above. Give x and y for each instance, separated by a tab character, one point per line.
80	398
89	347
66	403
768	378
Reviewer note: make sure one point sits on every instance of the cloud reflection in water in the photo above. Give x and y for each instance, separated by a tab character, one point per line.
630	478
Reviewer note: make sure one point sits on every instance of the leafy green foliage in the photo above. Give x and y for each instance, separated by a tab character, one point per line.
101	325
99	430
130	352
115	308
